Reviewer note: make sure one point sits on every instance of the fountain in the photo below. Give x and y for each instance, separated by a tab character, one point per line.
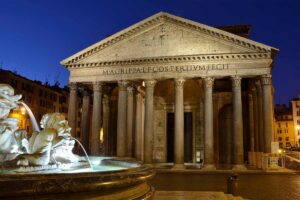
43	165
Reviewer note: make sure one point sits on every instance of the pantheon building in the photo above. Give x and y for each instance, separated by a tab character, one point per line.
171	90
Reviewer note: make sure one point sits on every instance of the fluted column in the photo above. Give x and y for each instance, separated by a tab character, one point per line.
266	82
129	120
106	111
139	127
96	121
179	124
72	110
260	117
208	124
85	118
121	127
238	145
149	121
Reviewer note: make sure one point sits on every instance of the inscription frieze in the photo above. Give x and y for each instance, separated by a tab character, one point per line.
163	69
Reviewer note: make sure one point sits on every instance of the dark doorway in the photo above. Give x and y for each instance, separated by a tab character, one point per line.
170	137
188	137
225	135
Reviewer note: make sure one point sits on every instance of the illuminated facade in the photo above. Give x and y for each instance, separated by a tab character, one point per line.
284	129
170	90
295	104
40	98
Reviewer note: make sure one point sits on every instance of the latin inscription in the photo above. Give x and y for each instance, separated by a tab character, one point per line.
161	69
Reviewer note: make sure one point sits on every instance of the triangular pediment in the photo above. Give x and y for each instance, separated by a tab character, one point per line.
165	35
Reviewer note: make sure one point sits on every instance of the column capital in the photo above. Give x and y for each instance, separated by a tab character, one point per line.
266	79
73	86
105	99
254	92
130	91
236	81
122	85
97	86
85	93
208	82
150	83
179	83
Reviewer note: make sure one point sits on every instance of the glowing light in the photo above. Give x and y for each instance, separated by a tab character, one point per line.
143	83
280	151
298	127
101	135
23	110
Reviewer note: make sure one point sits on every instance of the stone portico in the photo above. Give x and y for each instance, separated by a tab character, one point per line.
168	89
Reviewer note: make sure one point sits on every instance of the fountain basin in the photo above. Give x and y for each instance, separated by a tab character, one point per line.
126	180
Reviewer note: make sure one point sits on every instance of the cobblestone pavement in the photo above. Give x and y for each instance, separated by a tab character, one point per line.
256	186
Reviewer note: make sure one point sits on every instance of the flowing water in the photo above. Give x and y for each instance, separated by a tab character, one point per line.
35	125
82	147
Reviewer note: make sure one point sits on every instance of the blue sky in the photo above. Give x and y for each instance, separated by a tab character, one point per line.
36	35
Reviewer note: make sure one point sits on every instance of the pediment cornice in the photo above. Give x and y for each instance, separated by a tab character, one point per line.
175	59
161	18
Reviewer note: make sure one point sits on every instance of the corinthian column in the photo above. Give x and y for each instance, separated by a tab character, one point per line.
238	147
85	119
121	127
72	110
260	117
96	121
139	132
129	120
179	124
149	122
106	124
266	82
208	124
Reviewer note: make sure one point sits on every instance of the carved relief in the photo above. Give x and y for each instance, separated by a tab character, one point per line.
266	79
179	83
150	83
236	81
208	82
130	91
73	86
97	87
122	85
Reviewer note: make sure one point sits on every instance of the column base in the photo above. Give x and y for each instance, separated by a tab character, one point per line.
239	167
208	167
178	166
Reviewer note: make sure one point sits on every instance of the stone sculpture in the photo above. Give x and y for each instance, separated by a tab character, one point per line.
52	145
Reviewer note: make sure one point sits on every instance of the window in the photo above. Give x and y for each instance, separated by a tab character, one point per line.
286	138
279	125
279	138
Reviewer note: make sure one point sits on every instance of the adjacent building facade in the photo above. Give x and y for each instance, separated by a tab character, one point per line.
171	90
284	129
40	98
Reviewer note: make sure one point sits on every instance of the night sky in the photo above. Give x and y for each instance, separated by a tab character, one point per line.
35	35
